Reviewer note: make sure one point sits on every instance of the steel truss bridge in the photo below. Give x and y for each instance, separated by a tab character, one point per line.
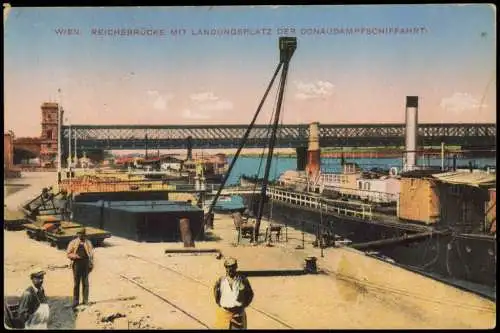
116	137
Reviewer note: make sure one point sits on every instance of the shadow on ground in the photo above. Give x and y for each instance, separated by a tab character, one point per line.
209	236
106	244
61	313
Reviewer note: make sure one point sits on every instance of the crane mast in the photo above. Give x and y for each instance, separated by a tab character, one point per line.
287	47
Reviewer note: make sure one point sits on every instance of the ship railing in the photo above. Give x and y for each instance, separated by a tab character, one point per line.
334	178
375	196
337	207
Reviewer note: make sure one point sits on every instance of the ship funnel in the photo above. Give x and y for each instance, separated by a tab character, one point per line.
189	145
411	133
313	151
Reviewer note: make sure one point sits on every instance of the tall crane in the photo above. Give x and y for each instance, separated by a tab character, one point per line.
287	47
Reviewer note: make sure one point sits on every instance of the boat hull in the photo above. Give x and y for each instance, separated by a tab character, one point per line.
465	257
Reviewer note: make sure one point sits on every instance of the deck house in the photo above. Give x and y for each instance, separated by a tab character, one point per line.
458	200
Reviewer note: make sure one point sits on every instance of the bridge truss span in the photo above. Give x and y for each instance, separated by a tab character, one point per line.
292	135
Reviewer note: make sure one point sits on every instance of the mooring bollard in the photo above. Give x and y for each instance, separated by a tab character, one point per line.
185	229
210	220
310	265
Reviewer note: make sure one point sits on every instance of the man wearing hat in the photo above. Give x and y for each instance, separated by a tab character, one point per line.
33	308
233	294
81	254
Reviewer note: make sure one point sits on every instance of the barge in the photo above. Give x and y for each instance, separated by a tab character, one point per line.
142	221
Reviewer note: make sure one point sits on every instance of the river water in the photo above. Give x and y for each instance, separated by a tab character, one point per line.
251	166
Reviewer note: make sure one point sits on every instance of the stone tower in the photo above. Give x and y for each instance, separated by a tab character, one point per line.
48	149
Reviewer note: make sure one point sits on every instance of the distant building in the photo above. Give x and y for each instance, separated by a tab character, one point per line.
49	135
41	150
8	149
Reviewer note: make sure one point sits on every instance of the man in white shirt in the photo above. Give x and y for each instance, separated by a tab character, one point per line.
233	293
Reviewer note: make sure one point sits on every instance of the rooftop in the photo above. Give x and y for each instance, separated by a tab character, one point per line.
476	178
49	105
146	206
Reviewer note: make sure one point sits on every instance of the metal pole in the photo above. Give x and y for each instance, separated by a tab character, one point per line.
265	180
442	155
69	147
303	236
76	156
286	230
321	229
59	136
146	138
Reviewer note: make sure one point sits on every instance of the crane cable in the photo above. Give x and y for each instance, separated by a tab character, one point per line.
279	131
261	158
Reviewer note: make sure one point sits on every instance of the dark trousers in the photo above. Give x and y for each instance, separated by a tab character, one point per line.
81	274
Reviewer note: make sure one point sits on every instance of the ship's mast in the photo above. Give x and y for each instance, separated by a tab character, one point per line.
287	46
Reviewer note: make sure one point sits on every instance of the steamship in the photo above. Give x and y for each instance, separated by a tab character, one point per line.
431	220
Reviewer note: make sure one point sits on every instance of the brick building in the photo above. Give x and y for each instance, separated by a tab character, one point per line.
49	135
8	151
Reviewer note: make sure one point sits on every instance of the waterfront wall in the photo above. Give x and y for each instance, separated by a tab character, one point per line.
465	257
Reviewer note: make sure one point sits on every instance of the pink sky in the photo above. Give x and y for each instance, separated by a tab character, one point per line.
364	100
186	80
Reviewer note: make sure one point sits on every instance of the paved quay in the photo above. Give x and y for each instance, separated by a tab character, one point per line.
146	288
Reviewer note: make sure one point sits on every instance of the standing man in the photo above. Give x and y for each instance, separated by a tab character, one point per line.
233	294
80	252
33	307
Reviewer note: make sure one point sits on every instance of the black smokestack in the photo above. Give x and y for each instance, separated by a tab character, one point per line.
189	148
301	158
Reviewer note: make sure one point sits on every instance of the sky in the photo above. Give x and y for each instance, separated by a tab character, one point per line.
353	64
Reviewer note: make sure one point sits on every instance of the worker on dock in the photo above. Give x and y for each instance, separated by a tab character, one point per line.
33	307
233	293
80	252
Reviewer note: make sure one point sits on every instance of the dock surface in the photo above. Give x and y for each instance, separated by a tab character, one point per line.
148	288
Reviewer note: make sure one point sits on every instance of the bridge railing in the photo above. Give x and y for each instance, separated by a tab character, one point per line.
337	207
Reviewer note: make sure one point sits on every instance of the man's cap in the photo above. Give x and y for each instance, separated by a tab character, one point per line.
82	231
37	272
230	262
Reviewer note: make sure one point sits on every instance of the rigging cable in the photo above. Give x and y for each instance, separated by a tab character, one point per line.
278	133
261	158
